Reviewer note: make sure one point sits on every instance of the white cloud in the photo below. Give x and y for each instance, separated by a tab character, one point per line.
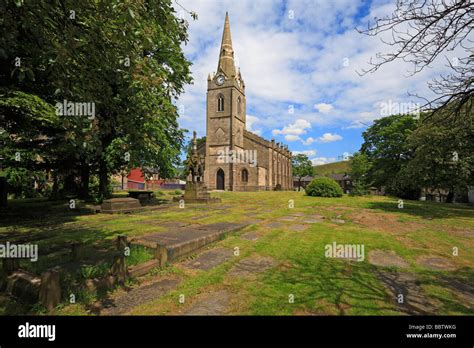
308	141
323	107
292	137
297	128
309	153
313	57
322	160
251	121
329	138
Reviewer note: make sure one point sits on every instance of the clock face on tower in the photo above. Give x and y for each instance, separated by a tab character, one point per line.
220	79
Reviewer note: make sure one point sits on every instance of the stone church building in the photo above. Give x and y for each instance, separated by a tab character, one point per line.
236	159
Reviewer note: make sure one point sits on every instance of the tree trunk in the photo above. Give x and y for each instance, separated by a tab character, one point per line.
103	178
450	196
85	176
55	189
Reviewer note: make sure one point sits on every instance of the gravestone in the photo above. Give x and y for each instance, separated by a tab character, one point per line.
120	205
195	191
50	289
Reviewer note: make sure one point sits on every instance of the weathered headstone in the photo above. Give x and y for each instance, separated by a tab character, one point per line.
24	285
77	251
119	269
50	289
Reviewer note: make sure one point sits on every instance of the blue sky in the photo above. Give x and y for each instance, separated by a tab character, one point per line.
299	60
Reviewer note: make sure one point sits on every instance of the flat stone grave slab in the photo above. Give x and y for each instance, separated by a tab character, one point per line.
179	242
251	266
215	303
436	263
415	300
386	259
311	220
250	235
338	221
209	259
287	218
274	224
138	296
174	224
218	207
464	233
120	205
254	221
463	290
199	217
297	227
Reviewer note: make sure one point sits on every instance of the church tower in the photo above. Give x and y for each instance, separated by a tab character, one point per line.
226	113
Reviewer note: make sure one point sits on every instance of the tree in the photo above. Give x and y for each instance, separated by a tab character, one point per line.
360	168
423	31
302	166
29	126
124	57
387	148
443	155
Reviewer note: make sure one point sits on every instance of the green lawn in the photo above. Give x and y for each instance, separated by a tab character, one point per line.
319	285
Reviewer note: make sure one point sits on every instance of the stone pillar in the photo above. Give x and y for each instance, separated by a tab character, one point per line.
119	269
122	243
50	289
77	251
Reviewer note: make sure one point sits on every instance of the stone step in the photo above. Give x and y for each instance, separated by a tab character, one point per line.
174	244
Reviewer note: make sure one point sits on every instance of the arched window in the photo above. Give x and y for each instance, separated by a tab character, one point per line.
220	102
245	175
239	107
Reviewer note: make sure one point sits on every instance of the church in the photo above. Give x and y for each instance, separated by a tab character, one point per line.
236	159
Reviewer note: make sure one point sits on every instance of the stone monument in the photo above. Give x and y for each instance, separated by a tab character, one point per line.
195	190
120	205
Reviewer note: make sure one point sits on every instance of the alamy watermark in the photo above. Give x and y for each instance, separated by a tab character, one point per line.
237	156
345	251
20	251
395	108
69	108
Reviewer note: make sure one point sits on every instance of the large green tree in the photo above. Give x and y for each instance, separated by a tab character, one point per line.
124	57
387	148
443	154
359	168
302	166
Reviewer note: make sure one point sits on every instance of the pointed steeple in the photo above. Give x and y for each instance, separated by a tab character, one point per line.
226	56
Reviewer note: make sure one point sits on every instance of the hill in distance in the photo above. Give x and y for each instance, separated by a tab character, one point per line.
332	168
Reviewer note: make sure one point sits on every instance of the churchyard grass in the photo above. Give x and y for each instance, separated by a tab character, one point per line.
301	279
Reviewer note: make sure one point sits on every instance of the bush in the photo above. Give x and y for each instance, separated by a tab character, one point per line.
323	187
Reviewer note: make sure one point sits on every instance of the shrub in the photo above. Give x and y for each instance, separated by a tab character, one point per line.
323	187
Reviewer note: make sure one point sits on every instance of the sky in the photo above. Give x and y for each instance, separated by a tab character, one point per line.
301	62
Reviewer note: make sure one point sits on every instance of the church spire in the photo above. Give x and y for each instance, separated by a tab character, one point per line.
226	56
